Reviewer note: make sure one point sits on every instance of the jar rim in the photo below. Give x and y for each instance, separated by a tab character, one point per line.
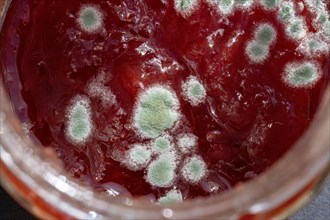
266	191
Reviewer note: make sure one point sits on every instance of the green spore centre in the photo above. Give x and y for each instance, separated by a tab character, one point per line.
303	74
265	35
225	5
257	50
156	111
161	171
171	197
79	125
185	4
161	144
89	18
242	2
286	12
271	3
194	170
196	90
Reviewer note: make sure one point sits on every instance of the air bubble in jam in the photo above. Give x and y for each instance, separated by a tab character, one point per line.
166	100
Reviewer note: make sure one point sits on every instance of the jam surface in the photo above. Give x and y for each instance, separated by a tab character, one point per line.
166	99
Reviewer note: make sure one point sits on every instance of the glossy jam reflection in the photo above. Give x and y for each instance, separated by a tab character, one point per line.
169	99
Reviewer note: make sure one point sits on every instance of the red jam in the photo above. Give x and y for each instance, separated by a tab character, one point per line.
226	88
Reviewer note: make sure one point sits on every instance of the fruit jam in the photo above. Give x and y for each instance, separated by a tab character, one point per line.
166	99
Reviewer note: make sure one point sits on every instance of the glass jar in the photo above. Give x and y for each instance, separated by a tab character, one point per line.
36	179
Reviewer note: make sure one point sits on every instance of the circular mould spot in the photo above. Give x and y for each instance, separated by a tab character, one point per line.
161	172
322	18
138	157
301	75
193	91
296	29
257	52
286	11
194	169
313	47
156	111
265	34
90	18
186	143
162	144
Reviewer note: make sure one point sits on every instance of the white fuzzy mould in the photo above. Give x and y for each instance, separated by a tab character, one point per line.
326	31
194	169
316	6
90	18
138	157
162	144
270	4
313	47
257	52
301	74
322	24
186	7
157	109
244	4
193	91
172	196
161	172
286	11
265	33
187	143
96	88
79	125
300	7
296	29
226	6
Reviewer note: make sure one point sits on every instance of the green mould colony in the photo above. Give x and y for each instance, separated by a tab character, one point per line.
169	156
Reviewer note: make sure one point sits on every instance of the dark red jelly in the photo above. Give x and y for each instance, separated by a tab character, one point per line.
184	98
